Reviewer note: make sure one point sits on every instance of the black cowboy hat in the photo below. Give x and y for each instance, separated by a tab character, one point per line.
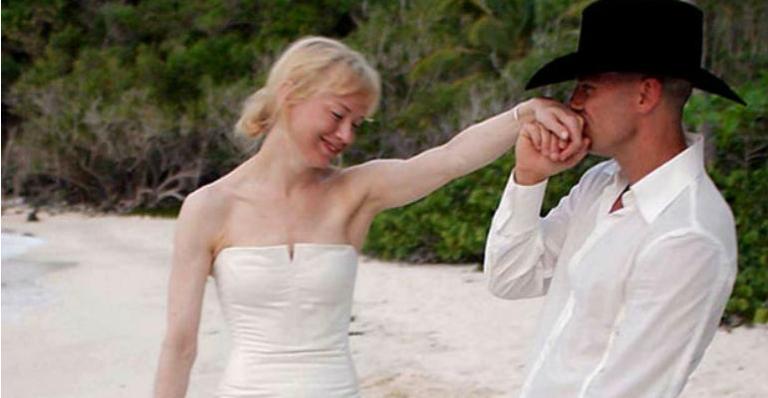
657	37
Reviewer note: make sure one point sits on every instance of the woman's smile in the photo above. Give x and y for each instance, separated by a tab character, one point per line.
331	148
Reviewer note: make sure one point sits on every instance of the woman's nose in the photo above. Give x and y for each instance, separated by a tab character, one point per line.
346	133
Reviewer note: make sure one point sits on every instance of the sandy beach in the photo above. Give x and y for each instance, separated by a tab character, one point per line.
83	315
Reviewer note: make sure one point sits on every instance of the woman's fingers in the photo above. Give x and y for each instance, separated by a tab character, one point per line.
551	121
571	121
545	141
557	118
567	126
549	145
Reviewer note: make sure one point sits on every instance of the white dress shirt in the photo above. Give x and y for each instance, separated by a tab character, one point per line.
633	297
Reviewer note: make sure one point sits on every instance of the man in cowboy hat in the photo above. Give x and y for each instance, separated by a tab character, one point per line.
639	259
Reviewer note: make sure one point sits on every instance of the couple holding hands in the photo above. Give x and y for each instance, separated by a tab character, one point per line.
637	261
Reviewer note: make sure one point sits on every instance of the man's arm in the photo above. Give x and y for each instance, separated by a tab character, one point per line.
675	297
522	249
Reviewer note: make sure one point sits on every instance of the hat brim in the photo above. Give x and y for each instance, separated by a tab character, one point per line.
573	65
561	69
706	81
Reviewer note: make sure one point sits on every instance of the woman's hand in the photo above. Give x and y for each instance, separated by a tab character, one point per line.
559	120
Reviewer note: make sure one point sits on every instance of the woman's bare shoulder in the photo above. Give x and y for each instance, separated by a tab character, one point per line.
208	200
202	218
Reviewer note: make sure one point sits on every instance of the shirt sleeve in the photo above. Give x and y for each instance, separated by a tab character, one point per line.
675	297
522	248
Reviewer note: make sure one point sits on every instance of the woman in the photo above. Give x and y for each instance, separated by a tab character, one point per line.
280	233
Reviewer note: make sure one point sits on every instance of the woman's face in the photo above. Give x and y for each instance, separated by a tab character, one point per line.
323	125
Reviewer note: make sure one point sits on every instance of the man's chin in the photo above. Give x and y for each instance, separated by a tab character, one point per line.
598	153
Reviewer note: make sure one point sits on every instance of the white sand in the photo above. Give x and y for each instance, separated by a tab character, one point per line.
83	316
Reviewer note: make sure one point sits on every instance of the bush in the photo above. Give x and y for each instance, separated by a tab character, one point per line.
448	226
738	164
130	104
451	224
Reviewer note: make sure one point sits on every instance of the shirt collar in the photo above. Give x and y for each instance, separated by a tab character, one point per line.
655	191
659	188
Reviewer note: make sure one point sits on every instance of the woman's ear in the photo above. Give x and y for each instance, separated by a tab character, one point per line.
284	92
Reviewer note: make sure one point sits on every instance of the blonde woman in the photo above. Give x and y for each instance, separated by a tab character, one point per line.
281	233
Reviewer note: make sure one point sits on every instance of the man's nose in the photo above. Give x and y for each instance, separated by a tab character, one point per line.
576	101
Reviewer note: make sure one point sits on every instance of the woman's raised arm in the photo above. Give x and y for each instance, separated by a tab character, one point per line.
396	182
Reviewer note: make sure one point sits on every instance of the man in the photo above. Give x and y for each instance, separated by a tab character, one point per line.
639	259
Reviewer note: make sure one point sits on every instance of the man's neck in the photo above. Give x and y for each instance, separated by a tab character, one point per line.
653	146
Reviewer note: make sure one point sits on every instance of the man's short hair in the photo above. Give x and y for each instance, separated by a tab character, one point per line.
676	90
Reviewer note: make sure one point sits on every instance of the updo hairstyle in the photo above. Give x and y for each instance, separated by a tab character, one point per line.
310	65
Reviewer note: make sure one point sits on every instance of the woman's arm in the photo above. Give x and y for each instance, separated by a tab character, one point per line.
192	256
394	182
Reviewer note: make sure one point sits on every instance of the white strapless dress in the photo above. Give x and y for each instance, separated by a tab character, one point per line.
289	320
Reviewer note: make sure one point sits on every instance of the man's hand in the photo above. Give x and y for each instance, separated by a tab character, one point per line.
540	154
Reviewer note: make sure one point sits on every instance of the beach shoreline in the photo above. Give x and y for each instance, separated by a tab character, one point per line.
418	331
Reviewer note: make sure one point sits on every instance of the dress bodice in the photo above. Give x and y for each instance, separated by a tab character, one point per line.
289	319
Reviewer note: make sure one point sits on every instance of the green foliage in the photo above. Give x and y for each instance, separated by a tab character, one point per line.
449	226
129	105
125	104
739	167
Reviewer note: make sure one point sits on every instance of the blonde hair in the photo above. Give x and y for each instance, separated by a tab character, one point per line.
310	65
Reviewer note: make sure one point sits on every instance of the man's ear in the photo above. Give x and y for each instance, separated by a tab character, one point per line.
651	93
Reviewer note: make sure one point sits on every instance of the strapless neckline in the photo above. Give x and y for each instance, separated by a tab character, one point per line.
289	249
289	319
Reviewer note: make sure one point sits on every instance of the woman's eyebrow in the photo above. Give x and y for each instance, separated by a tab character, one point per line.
337	102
